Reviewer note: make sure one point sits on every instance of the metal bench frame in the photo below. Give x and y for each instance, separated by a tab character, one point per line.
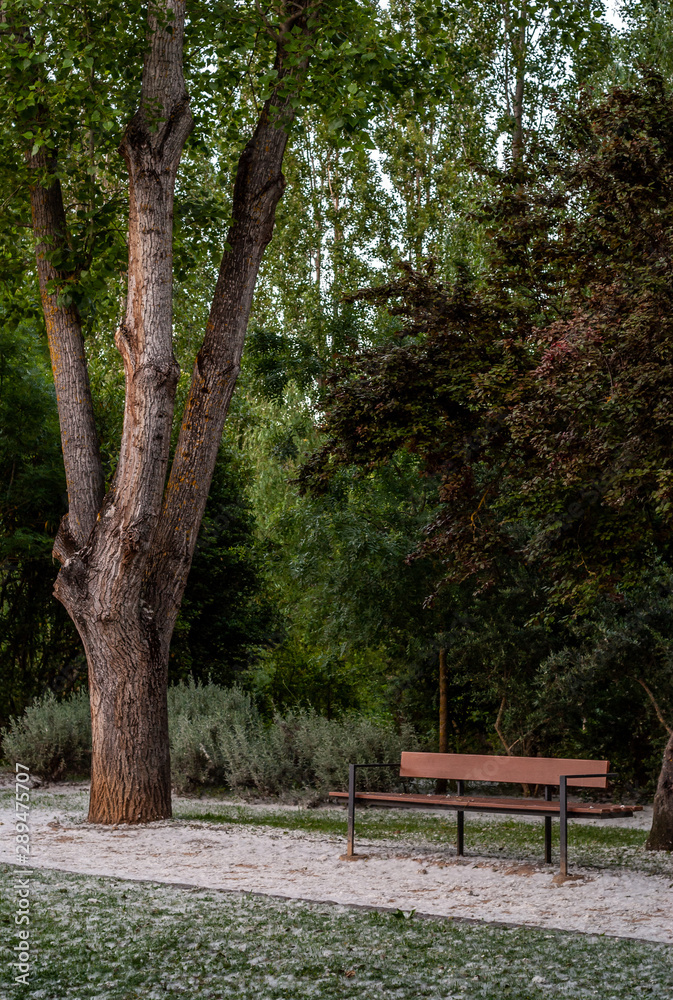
455	807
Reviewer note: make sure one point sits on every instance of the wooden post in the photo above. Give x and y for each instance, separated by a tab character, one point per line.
563	831
350	838
440	787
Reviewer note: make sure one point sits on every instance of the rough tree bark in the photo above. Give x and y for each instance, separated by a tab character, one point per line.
102	583
126	556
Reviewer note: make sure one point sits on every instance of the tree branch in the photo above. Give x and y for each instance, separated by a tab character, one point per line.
655	706
258	188
498	721
81	456
508	748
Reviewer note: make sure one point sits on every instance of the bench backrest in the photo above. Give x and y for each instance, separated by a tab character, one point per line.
476	767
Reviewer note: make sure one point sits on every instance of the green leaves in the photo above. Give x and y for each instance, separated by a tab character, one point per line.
540	392
276	360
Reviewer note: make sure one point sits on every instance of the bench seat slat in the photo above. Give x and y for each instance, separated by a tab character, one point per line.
516	770
489	804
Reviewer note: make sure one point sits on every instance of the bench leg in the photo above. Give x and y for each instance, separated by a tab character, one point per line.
547	827
460	839
350	838
547	839
563	831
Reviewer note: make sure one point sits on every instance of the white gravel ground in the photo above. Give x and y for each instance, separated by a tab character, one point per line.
300	865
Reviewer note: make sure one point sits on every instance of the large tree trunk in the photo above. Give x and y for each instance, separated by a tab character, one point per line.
130	772
661	834
127	649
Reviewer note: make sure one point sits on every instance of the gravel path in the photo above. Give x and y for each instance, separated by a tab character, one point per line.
292	864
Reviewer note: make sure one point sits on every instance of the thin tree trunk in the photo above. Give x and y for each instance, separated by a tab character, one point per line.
508	748
517	104
440	787
661	833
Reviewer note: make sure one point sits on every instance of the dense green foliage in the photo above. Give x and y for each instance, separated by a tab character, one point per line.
497	444
536	392
227	617
38	645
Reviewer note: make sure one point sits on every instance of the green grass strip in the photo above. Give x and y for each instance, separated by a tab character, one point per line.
602	846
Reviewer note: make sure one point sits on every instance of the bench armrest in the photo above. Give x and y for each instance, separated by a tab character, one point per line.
396	764
563	810
352	768
601	774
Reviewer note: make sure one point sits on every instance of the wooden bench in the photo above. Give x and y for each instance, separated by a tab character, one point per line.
549	772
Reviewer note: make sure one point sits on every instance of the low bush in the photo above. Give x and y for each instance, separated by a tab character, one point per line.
53	738
219	739
207	725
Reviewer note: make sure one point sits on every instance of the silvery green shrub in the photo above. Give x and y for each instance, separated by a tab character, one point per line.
218	739
52	737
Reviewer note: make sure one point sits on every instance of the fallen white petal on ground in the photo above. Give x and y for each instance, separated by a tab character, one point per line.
294	864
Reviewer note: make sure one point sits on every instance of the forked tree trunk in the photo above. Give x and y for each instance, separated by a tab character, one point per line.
661	834
125	558
104	585
104	544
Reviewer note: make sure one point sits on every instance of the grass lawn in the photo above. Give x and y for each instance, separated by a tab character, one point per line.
106	939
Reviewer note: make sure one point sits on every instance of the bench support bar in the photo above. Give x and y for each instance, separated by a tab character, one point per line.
460	822
350	836
563	826
563	814
460	815
351	810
